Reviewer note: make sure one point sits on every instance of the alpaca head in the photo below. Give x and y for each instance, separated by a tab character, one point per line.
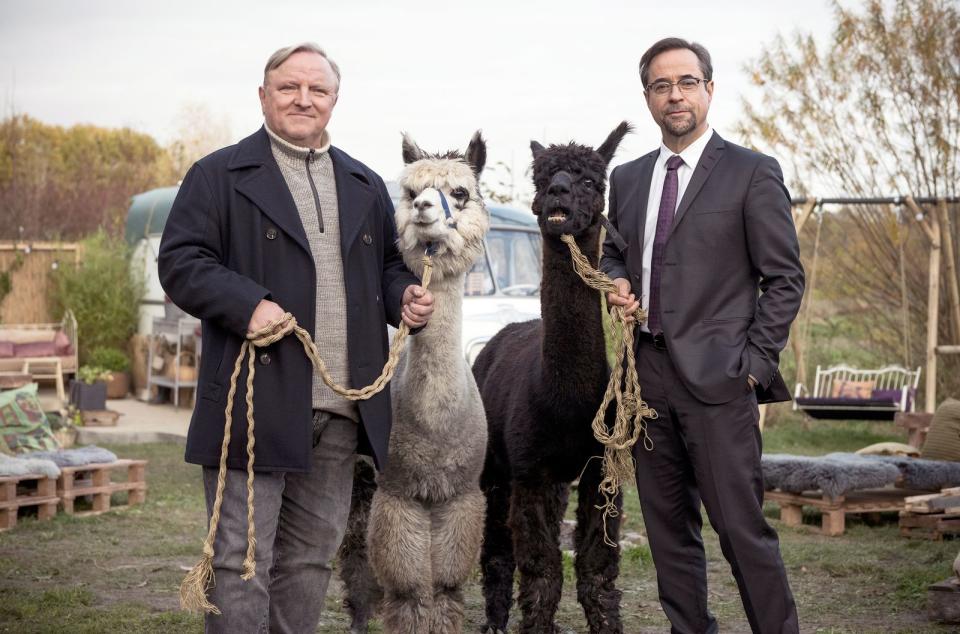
429	180
570	182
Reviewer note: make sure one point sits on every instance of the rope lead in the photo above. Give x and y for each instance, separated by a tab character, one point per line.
193	589
630	424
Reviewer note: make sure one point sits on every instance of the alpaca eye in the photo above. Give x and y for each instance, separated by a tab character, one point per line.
411	194
587	182
460	194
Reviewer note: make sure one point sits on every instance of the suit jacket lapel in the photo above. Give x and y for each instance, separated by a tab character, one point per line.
644	177
265	186
355	197
708	160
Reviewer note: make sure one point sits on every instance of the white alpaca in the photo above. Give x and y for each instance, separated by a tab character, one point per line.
427	515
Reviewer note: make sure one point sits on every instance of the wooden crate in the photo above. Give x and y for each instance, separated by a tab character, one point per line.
24	491
834	510
95	480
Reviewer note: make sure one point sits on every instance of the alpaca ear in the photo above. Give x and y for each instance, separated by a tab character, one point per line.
536	148
411	151
477	153
609	147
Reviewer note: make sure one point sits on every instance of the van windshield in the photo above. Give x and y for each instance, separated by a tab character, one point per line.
514	257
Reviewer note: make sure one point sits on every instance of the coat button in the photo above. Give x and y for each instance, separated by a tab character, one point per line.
265	359
271	234
367	239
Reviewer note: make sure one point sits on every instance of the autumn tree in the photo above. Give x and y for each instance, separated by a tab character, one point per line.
58	182
874	112
198	133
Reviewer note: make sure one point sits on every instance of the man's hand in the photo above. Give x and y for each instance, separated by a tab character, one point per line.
265	314
623	297
416	307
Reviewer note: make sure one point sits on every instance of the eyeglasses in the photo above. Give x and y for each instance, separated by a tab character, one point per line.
686	85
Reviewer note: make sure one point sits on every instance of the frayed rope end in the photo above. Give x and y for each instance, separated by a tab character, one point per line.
193	589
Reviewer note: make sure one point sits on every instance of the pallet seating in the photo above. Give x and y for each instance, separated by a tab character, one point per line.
932	516
25	491
835	509
95	480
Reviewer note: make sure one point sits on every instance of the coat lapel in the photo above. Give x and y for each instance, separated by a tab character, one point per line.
708	160
644	177
265	186
355	197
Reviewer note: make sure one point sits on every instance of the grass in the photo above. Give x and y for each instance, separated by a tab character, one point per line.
121	571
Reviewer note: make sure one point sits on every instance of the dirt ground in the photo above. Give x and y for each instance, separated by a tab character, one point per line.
121	571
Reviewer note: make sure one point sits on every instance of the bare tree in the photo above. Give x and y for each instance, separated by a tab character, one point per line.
198	133
876	112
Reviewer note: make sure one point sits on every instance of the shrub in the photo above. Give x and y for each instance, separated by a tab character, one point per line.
103	293
112	359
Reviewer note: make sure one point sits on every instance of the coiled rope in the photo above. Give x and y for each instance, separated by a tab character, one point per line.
193	589
632	413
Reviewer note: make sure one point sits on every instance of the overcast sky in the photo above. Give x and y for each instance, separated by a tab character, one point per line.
551	71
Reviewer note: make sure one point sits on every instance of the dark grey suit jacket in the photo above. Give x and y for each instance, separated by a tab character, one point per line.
733	237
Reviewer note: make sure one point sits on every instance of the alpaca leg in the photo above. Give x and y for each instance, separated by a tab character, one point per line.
597	564
362	593
457	530
496	558
398	546
535	515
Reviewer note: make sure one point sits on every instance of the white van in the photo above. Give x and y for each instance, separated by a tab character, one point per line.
502	287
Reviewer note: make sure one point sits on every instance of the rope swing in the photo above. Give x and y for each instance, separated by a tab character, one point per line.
193	589
632	412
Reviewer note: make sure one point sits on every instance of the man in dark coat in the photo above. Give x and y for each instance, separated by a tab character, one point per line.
707	228
285	222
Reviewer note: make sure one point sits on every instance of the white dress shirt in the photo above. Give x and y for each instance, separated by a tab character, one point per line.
690	156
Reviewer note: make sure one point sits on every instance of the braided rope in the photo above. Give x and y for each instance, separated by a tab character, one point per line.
193	589
632	413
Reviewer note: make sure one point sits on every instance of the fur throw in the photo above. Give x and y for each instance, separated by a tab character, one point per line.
838	473
10	466
91	454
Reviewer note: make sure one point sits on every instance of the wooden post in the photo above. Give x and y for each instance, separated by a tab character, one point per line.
800	217
953	287
931	227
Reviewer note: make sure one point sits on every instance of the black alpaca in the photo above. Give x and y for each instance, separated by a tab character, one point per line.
541	383
362	593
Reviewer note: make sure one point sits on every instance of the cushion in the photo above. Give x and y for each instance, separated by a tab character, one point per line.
6	349
889	449
25	335
61	344
892	395
852	389
23	424
35	349
943	438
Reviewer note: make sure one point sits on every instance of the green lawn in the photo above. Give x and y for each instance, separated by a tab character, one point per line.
120	571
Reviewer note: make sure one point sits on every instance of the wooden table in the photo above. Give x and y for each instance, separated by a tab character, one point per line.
14	380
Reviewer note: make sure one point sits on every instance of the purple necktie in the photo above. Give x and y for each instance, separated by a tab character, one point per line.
668	206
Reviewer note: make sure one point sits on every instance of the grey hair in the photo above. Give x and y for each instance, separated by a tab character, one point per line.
283	54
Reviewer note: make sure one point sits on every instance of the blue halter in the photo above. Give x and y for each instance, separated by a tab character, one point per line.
431	247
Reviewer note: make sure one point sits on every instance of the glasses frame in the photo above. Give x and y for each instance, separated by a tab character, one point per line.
698	80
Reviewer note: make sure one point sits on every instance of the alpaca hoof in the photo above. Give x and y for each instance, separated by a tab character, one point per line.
491	629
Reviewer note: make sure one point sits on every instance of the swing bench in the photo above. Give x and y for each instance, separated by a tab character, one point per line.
844	393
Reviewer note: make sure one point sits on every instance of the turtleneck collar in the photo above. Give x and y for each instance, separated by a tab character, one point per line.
295	151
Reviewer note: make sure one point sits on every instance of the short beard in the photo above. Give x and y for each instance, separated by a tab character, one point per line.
679	129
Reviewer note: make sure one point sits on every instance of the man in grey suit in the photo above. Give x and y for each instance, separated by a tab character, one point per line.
709	248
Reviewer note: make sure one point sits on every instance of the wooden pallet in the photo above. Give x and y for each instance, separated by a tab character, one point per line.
95	480
834	510
933	516
25	491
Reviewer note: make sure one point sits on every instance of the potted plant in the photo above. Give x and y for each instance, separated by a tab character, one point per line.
89	391
117	364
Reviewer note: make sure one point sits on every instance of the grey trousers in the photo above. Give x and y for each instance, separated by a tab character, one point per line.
300	520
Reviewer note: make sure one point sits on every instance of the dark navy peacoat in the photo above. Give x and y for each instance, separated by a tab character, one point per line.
234	237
